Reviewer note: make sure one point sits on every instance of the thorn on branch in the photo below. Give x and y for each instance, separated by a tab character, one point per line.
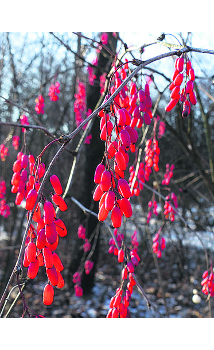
161	37
136	62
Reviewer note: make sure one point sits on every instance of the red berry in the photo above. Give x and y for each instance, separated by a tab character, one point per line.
57	262
48	257
31	199
178	80
109	200
48	294
97	193
105	182
49	213
33	269
123	188
121	162
125	207
51	233
116	217
61	281
31	251
52	275
60	228
180	64
103	213
41	239
98	173
171	105
121	255
59	201
55	182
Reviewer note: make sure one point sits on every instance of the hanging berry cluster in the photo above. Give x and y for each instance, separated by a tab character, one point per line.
54	91
4	207
158	243
40	105
43	234
131	108
208	283
129	258
88	264
183	72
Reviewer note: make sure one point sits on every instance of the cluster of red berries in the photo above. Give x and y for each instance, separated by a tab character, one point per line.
15	142
77	287
119	237
24	121
168	174
91	75
4	207
26	176
88	265
40	105
169	212
208	283
4	152
42	241
120	302
54	91
151	160
80	103
186	95
152	205
158	244
43	235
82	234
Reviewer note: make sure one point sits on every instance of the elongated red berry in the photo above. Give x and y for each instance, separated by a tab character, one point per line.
48	294
97	193
123	188
103	213
48	257
116	217
125	138
57	262
121	117
59	201
192	98
147	118
31	199
41	239
109	200
55	182
192	74
105	182
17	167
60	228
98	173
24	161
121	255
49	213
33	269
106	132
178	80
125	207
180	64
51	233
19	198
120	159
172	103
52	275
61	281
31	251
